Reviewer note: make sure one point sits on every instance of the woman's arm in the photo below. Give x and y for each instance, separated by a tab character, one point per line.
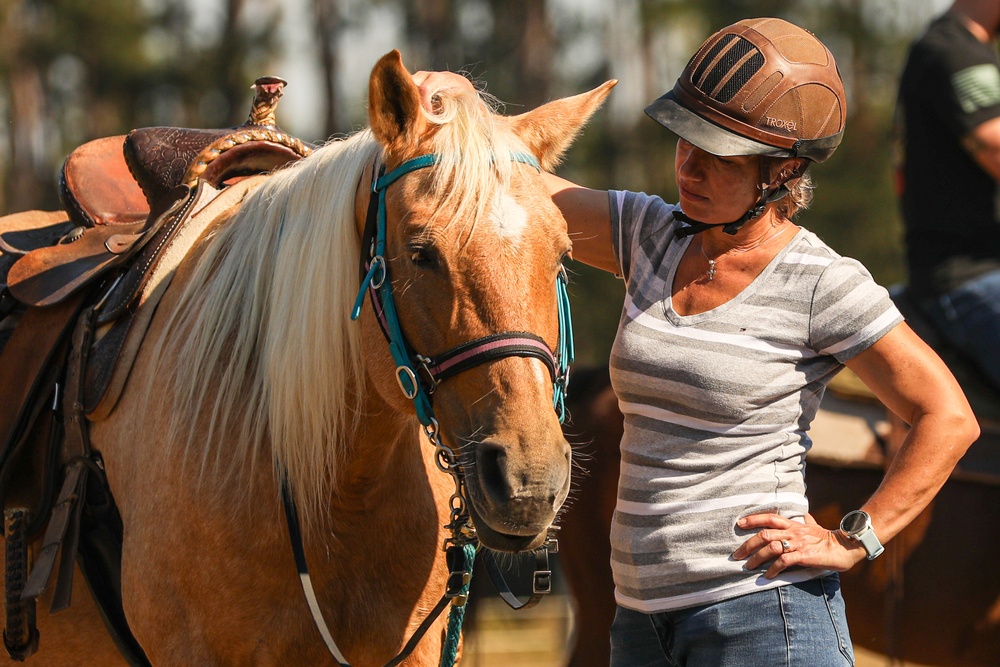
588	219
912	381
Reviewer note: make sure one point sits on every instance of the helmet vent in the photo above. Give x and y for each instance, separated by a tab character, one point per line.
739	61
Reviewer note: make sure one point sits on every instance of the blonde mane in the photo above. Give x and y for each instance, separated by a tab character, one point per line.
260	354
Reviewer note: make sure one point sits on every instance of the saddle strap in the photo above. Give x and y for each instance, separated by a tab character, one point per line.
63	532
28	355
63	513
20	636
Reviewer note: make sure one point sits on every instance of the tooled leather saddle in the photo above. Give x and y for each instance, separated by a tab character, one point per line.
77	290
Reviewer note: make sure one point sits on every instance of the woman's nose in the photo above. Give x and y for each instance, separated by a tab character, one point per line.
691	164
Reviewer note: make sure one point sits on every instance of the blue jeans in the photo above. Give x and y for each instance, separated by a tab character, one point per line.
798	625
969	319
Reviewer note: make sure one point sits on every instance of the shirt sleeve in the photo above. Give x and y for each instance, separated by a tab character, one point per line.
634	217
850	311
964	86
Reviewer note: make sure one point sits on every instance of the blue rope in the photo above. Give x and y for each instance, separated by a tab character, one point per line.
565	349
449	652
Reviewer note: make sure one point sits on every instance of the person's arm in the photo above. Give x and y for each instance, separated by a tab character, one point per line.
588	219
913	382
983	144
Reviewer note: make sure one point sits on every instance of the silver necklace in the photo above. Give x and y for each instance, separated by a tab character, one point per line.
711	262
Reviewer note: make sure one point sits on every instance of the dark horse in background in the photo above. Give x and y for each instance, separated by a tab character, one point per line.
932	598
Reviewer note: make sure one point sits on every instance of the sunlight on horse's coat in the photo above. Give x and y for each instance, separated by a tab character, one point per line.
509	217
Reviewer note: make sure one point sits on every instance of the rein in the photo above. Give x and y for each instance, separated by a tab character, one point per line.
418	376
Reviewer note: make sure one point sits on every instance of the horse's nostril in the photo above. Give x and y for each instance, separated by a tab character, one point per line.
491	463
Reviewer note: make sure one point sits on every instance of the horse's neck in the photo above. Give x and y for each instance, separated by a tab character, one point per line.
384	448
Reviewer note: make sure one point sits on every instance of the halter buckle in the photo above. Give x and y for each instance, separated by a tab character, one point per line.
424	368
404	376
541	583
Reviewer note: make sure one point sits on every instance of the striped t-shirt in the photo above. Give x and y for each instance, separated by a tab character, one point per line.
717	404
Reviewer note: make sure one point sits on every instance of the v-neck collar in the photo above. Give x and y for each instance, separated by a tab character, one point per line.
673	257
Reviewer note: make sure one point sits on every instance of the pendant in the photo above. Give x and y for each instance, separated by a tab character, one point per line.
711	269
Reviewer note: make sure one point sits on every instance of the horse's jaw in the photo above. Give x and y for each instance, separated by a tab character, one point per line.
502	541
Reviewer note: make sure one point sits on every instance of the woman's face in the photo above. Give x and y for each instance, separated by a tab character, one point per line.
715	189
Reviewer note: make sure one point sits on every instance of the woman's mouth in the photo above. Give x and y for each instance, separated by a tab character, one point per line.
687	194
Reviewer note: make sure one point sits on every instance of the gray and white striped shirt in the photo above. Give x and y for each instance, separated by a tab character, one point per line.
717	404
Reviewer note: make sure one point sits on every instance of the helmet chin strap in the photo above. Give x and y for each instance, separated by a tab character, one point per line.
767	196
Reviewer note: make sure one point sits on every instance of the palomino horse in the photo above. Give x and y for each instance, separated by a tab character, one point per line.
253	374
933	598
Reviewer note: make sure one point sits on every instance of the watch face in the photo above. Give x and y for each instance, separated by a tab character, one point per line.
854	522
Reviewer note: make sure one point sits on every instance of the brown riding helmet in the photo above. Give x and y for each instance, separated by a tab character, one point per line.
759	87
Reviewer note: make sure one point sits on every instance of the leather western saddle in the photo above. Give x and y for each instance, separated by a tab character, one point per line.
77	291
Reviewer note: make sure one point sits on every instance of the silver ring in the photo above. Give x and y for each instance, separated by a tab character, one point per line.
786	546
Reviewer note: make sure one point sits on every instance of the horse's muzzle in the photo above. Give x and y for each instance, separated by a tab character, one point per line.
514	496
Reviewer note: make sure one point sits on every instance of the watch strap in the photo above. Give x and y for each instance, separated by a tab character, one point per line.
869	540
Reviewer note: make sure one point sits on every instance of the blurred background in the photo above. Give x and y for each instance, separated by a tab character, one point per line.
75	70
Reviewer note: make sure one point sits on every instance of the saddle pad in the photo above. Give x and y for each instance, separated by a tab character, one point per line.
20	233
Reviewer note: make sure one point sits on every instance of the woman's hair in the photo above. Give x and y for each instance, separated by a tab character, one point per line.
800	190
800	195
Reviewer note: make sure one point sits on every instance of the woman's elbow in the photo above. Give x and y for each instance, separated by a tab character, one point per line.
961	423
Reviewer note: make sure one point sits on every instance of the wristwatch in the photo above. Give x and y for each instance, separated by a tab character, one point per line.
857	525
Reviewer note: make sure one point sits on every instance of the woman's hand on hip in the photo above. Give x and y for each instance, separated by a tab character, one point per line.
785	543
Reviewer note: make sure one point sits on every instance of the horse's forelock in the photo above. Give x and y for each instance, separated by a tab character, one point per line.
473	145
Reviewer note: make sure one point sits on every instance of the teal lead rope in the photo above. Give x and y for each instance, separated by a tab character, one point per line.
565	350
467	554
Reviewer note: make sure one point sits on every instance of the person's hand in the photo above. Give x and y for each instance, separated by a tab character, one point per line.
431	83
786	543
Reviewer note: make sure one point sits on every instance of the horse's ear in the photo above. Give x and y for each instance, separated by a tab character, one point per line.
551	128
394	112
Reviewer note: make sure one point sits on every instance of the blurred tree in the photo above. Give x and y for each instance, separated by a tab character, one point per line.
508	44
329	26
74	70
69	67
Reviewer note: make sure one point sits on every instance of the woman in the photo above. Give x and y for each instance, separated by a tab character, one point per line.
734	321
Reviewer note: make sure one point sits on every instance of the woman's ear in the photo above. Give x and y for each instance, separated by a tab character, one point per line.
787	170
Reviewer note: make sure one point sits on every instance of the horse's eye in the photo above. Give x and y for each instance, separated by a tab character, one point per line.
566	256
423	257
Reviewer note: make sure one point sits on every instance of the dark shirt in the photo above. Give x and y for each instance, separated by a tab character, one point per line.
951	207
